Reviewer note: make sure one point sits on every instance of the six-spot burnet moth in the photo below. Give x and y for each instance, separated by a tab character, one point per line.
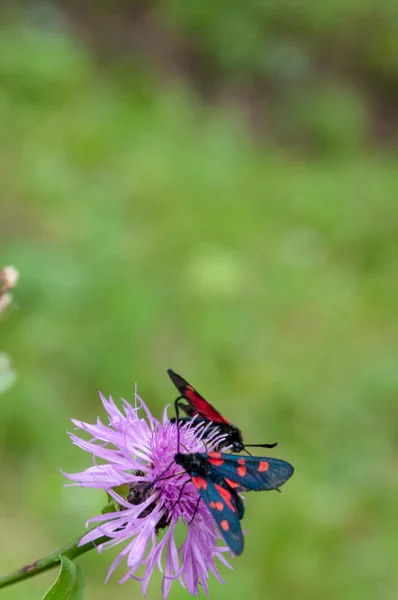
199	407
218	477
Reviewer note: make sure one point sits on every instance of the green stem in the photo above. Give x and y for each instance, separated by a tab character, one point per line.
71	550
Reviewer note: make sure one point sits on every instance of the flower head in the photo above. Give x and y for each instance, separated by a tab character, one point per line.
135	450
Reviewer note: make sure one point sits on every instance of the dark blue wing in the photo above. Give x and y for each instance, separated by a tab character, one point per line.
251	472
239	505
226	508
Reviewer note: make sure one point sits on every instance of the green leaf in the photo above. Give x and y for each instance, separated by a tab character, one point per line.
112	506
69	584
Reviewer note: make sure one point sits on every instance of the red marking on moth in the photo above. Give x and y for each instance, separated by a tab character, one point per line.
217	505
215	459
214	454
199	483
241	461
242	471
224	525
232	484
203	407
226	496
263	466
198	403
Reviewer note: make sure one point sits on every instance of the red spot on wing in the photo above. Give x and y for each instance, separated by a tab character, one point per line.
199	483
242	471
232	484
226	496
216	462
224	525
214	454
263	466
241	461
217	505
215	459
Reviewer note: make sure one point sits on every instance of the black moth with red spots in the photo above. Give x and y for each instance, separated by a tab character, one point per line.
219	477
208	415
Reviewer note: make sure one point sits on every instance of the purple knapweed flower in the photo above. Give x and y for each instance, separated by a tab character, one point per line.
135	450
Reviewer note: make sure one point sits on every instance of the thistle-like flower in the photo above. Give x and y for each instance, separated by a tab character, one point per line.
135	450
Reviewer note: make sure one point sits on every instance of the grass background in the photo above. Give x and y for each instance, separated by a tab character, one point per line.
150	232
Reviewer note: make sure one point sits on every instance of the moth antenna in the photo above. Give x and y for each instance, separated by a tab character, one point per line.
159	478
195	511
177	421
261	445
179	495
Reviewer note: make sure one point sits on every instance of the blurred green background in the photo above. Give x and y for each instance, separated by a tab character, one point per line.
210	187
